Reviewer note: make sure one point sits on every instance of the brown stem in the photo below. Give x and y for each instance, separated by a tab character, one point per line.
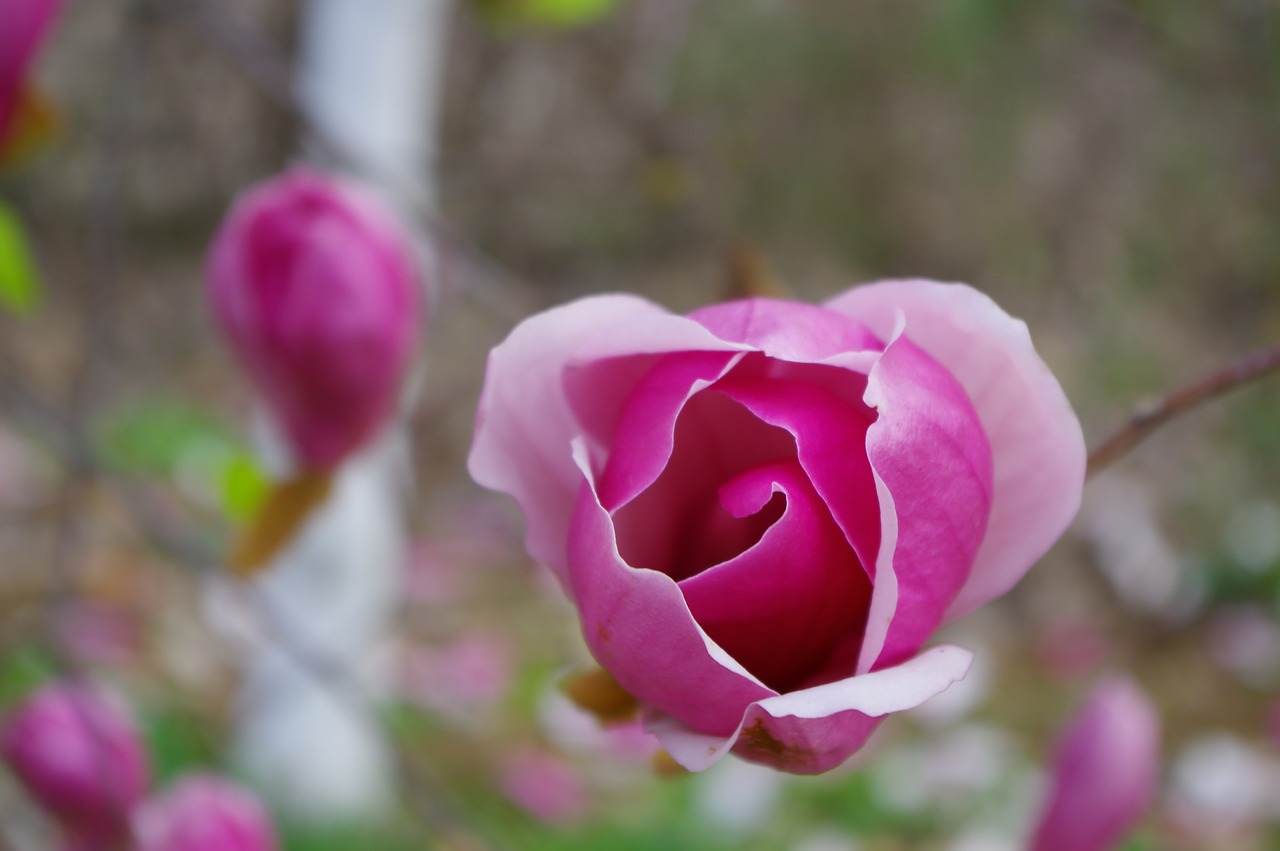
1149	417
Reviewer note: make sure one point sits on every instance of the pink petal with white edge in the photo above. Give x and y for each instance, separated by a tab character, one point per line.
787	330
1035	438
929	451
639	628
1105	773
814	730
525	425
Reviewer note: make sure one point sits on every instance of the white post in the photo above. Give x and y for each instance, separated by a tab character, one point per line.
370	78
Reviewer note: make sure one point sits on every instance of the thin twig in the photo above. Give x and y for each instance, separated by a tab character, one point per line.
103	248
421	793
1149	417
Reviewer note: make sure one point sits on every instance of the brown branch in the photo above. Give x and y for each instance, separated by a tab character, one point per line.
1149	417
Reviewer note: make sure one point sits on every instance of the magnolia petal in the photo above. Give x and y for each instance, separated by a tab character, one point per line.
525	425
315	285
928	448
639	628
831	441
814	730
26	23
1105	772
645	432
780	607
787	330
1036	441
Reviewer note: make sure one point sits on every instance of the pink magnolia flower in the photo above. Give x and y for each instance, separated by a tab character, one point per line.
315	285
764	509
79	755
1105	772
203	812
23	25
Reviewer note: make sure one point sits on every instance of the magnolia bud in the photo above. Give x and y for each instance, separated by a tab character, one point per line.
1105	772
314	283
201	812
23	24
79	756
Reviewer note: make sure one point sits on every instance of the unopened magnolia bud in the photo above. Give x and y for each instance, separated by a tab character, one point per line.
79	756
201	812
314	282
23	24
1105	771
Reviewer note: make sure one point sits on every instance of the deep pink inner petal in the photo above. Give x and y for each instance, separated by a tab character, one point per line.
781	607
645	432
754	493
678	525
822	406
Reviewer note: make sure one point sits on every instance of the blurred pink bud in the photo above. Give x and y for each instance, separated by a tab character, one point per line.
461	677
314	283
23	24
202	812
545	786
1105	771
79	756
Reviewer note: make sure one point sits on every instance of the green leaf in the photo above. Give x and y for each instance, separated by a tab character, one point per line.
567	13
23	670
179	739
153	437
506	14
19	282
244	485
163	438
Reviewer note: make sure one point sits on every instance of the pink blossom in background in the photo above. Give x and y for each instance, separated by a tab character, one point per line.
574	730
545	786
99	633
434	573
314	283
203	812
79	756
23	26
1245	641
465	675
764	509
1105	771
1071	649
629	742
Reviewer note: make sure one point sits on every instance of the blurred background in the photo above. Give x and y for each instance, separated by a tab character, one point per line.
1108	171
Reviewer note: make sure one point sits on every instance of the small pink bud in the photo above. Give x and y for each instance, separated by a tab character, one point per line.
79	756
314	283
23	24
1105	772
202	812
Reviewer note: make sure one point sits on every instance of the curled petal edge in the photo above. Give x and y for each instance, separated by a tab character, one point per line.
813	730
524	424
1036	439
